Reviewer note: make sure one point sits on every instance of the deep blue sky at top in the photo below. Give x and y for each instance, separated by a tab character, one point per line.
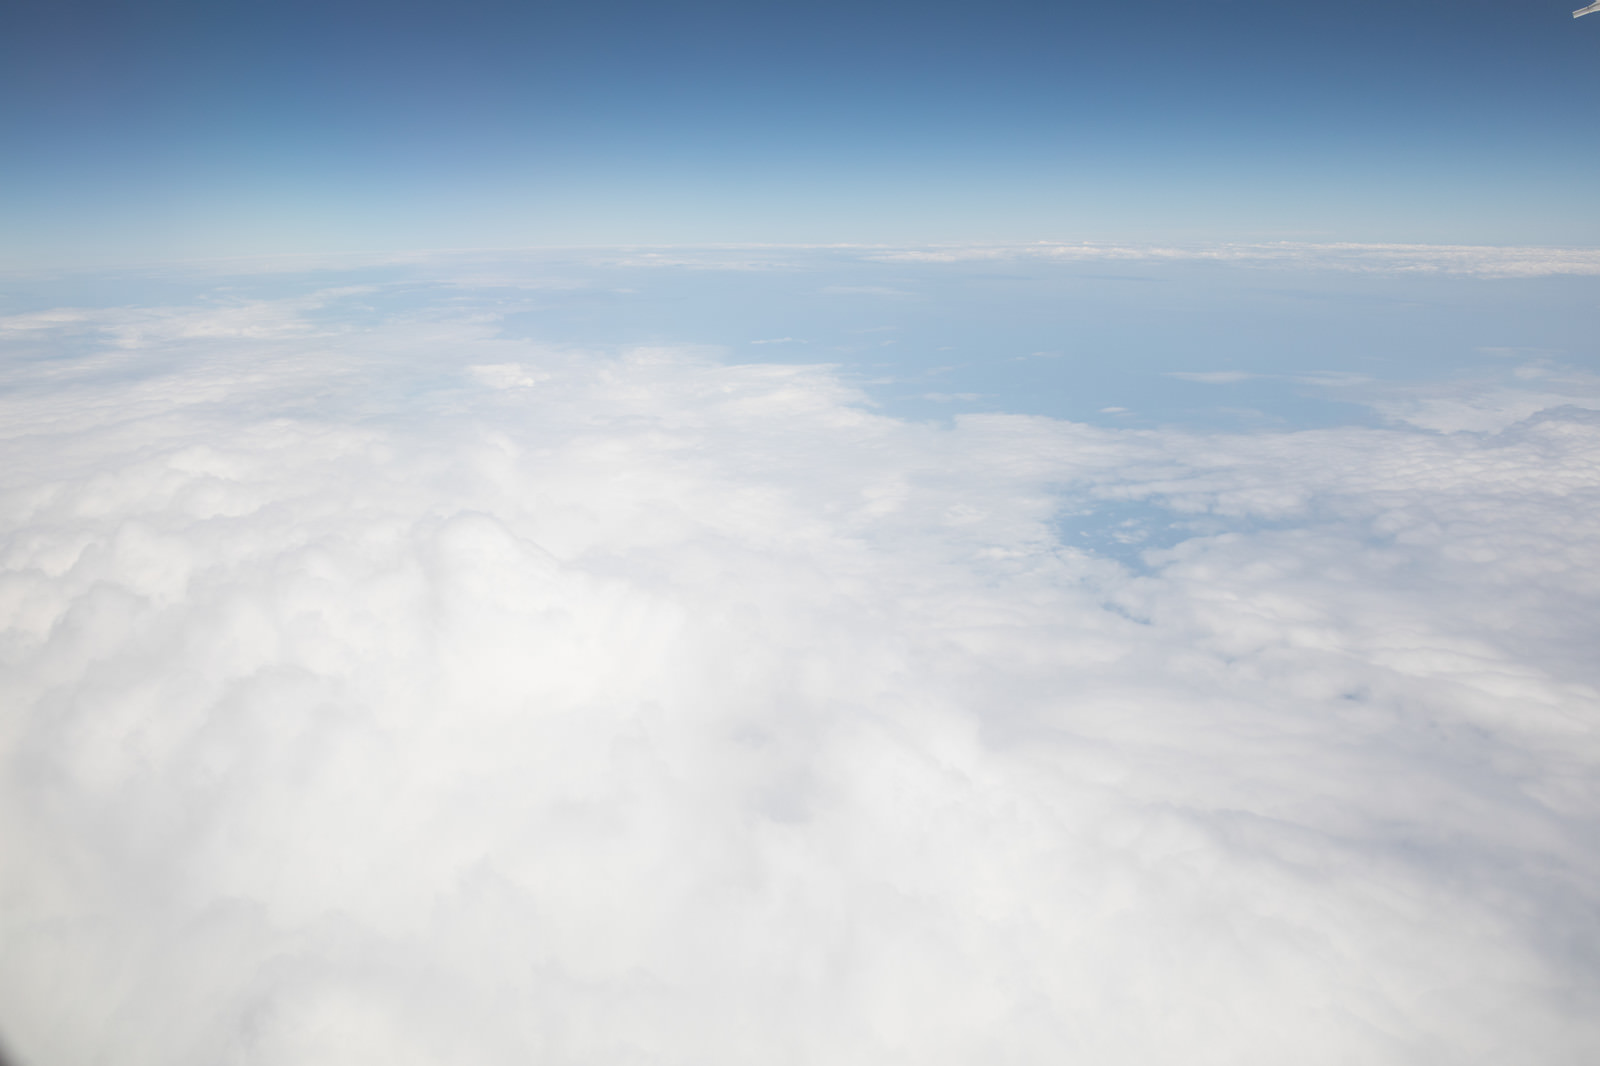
221	127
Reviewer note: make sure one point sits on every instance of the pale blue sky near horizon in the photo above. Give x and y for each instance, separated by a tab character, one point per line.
175	128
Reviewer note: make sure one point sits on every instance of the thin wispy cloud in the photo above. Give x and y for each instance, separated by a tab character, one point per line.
864	290
1470	260
1212	377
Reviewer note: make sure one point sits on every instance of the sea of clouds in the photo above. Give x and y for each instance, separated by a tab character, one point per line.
378	689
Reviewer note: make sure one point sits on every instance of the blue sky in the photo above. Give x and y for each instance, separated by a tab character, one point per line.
165	129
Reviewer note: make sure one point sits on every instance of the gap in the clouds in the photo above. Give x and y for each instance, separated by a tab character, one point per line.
1123	530
1136	532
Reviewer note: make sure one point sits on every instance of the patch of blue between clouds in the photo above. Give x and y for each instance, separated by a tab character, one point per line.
1154	341
1124	530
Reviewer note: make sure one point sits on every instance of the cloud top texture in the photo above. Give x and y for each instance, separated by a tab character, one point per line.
405	693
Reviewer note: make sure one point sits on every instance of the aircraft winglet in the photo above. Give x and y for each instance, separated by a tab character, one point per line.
1584	11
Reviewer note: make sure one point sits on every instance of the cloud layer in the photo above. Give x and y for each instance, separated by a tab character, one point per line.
1471	260
400	693
1452	260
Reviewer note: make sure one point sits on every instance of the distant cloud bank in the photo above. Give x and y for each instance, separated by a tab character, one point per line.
1480	260
1488	261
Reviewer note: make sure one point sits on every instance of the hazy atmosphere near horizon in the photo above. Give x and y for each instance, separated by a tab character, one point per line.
775	534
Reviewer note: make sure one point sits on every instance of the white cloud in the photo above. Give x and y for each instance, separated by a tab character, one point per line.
864	290
1469	260
1486	403
488	267
507	375
364	704
1212	377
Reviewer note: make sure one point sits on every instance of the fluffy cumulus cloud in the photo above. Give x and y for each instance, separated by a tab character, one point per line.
400	693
